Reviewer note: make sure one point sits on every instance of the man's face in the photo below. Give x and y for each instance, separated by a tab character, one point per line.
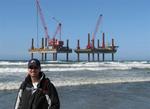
33	71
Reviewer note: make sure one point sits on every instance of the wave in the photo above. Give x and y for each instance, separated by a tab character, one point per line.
16	84
99	66
7	67
12	63
64	74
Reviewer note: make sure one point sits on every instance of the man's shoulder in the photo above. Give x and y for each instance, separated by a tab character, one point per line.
48	81
23	85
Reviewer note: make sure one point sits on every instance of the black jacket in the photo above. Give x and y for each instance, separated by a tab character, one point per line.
44	97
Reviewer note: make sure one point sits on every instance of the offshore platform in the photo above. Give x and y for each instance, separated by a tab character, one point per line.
91	49
54	45
50	45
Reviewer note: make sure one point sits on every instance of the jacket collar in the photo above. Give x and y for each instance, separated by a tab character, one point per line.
28	79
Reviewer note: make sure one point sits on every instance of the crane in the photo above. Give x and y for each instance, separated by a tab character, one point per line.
58	30
89	46
42	19
55	42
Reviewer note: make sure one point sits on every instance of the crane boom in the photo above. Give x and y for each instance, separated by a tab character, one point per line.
97	26
54	42
58	30
51	42
42	19
91	45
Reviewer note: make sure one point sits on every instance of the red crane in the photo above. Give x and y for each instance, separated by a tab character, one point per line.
89	46
42	19
55	42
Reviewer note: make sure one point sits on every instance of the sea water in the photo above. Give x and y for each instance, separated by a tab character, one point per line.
85	85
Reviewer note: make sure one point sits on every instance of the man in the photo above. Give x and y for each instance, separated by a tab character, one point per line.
36	91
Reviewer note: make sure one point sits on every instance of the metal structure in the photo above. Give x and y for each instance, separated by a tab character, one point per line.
55	46
99	50
55	43
91	44
42	19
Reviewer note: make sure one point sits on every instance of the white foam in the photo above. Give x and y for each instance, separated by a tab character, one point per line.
121	65
12	63
9	85
93	66
75	82
13	69
81	78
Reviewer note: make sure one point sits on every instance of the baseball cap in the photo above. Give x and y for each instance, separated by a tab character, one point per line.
34	62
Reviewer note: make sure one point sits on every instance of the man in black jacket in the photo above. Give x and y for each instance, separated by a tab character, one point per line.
36	91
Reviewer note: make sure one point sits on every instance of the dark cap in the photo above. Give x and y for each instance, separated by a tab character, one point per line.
34	62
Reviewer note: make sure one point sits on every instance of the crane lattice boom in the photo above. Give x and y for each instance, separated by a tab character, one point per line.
90	45
97	26
42	19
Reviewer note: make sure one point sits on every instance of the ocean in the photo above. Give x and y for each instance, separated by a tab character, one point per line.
85	85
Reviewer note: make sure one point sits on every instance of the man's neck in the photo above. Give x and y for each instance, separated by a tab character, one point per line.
34	80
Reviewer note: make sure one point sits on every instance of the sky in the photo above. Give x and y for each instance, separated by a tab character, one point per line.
127	21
